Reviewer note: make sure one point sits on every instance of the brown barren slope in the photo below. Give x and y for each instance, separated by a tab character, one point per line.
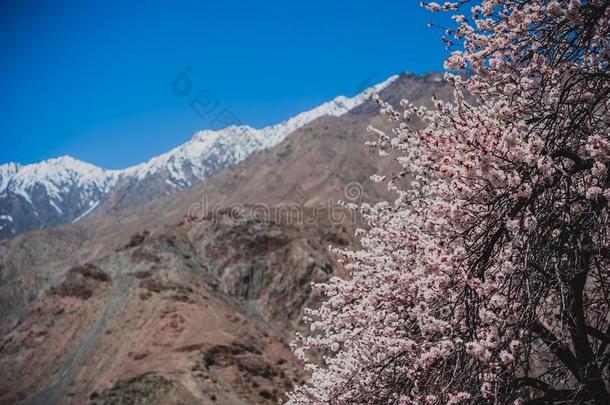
170	304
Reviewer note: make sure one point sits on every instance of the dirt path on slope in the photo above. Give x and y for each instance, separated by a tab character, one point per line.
55	390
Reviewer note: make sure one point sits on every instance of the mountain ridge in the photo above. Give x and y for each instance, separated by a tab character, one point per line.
66	189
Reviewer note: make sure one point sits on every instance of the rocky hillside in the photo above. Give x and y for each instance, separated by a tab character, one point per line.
178	314
191	297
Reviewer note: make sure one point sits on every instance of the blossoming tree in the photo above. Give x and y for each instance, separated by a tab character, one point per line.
488	279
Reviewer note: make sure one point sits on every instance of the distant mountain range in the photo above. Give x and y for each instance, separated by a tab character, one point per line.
65	189
146	305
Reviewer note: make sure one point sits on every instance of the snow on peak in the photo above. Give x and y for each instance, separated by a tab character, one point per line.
57	175
207	135
195	158
339	106
211	150
63	168
7	171
207	152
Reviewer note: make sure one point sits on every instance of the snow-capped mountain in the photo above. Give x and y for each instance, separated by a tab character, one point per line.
210	151
64	189
50	192
56	175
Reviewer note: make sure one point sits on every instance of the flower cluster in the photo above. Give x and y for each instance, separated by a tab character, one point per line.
488	279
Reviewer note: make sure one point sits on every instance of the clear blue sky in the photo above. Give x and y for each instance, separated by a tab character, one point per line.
93	79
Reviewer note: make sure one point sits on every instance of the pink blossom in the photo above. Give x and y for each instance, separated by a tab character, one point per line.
598	147
431	399
433	7
487	390
593	192
598	170
506	357
458	398
530	223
